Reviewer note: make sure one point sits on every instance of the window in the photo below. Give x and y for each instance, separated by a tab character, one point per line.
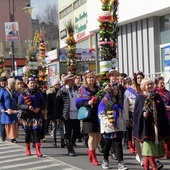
66	11
165	29
78	3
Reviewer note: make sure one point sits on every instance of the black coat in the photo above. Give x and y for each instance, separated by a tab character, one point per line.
143	127
50	101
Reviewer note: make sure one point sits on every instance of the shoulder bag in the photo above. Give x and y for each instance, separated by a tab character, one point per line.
84	113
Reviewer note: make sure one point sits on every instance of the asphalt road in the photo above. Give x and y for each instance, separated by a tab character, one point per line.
12	157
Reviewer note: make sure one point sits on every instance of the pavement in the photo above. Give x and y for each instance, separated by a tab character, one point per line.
12	157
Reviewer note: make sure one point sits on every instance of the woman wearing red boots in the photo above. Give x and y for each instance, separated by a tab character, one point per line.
91	127
32	102
150	122
165	94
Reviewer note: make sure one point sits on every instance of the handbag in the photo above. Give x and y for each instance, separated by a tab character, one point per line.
84	113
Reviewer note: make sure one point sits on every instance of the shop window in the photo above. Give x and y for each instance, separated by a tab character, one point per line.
165	29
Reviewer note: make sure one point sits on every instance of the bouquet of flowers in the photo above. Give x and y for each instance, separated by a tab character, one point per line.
27	99
148	104
95	100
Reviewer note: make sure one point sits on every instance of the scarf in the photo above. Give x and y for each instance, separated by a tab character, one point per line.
163	93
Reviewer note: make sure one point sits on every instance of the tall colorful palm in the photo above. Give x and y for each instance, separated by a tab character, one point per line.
71	60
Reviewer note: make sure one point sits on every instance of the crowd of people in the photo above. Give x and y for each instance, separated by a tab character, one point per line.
130	110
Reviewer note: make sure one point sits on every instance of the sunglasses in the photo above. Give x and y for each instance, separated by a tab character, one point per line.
31	79
88	71
160	78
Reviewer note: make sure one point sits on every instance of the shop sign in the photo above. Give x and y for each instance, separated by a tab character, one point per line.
81	25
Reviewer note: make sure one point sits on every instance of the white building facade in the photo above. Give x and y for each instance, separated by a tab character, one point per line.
144	36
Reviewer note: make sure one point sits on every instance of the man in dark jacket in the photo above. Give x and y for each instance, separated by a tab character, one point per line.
66	110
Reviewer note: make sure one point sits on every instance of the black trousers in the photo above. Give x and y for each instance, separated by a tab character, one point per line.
3	132
71	132
128	134
35	134
117	144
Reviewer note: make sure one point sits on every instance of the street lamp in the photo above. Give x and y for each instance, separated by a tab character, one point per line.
27	10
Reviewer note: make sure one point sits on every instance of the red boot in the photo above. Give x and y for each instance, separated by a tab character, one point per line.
90	155
38	152
152	163
146	163
94	158
131	148
28	151
167	150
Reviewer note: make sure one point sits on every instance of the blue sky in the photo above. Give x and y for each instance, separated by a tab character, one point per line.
39	5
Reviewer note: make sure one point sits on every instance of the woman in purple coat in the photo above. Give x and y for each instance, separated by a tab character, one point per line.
86	97
32	102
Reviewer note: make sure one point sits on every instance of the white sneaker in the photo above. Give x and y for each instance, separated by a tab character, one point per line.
52	133
105	164
138	158
122	166
142	162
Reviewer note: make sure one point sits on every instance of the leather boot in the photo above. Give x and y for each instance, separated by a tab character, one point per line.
38	152
90	155
131	148
28	151
146	163
167	150
94	158
152	163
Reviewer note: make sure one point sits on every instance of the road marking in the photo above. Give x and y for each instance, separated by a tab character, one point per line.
50	162
69	169
10	156
11	151
4	143
44	167
18	159
6	147
23	164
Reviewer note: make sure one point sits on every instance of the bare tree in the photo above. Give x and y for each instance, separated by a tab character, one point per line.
48	21
49	16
